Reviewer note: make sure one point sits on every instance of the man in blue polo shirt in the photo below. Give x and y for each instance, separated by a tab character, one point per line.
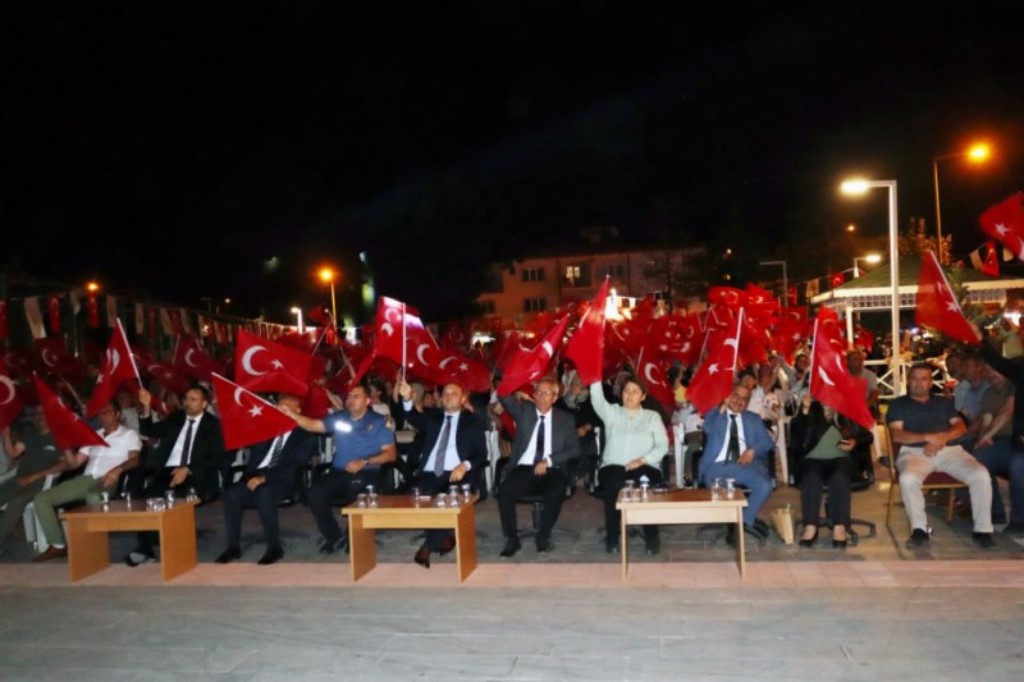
362	444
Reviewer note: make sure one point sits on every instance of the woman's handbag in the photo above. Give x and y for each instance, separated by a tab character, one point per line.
782	521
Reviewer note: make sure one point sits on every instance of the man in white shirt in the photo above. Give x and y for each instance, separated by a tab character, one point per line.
103	467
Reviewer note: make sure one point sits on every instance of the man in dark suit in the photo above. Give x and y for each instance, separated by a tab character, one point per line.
189	455
545	440
738	446
454	451
270	476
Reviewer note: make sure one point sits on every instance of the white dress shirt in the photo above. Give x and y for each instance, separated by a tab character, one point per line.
724	452
531	449
174	460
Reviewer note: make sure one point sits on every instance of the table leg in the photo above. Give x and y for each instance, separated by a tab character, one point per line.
178	542
623	544
362	547
465	542
741	555
88	551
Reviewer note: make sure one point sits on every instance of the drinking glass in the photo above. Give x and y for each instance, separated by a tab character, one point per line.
169	495
730	488
361	500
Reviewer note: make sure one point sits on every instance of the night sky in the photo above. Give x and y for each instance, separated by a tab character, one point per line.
172	148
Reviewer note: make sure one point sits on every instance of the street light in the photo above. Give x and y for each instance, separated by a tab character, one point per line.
785	279
328	275
977	153
861	186
298	313
870	259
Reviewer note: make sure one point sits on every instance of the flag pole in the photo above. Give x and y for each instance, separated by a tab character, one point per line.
403	342
124	337
814	351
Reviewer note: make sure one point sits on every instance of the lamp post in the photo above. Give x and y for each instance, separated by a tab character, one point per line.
785	278
870	259
977	153
328	275
858	187
297	311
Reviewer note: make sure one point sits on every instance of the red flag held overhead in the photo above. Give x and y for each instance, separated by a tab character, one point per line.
69	430
245	417
937	308
586	346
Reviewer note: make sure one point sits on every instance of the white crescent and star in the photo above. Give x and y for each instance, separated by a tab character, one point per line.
188	356
824	377
13	361
5	381
247	360
419	353
238	392
392	315
547	349
113	359
46	358
387	329
647	374
446	361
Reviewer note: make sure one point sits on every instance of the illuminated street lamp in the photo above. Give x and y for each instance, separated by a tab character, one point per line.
870	259
298	313
328	275
977	153
92	287
861	186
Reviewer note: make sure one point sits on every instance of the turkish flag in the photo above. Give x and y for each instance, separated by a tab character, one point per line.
652	371
69	430
586	345
526	366
118	367
792	295
16	362
787	336
92	311
453	367
316	404
53	308
990	266
263	365
169	378
713	380
191	360
394	322
10	402
175	317
936	306
456	336
729	297
5	330
246	418
863	339
837	280
56	358
151	322
832	385
1005	222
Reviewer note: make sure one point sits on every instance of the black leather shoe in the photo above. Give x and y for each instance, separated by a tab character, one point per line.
512	546
228	555
984	540
422	557
271	556
919	538
544	545
611	547
653	546
809	542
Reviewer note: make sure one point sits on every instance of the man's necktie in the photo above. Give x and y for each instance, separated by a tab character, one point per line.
442	447
186	449
539	455
275	452
732	453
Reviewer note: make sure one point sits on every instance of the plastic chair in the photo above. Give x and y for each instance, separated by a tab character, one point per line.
937	480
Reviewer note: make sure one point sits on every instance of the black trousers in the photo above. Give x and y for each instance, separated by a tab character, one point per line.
429	484
520	482
613	478
337	489
265	499
837	474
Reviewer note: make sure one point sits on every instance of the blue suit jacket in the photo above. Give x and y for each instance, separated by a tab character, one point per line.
716	432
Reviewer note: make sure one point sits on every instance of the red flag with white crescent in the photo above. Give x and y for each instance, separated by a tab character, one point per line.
713	380
10	402
263	365
69	430
118	367
245	417
586	345
832	385
526	366
937	308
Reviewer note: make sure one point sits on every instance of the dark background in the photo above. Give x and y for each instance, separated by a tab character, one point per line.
175	148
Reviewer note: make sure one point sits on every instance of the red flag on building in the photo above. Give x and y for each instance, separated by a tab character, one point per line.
263	365
526	366
16	362
69	430
792	295
10	402
118	367
832	385
191	360
586	345
92	311
713	380
245	417
937	308
837	280
53	310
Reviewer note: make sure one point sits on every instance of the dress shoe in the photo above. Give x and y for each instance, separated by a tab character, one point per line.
50	553
511	547
840	544
984	540
228	555
611	547
544	545
422	556
447	545
809	542
137	558
271	556
332	546
919	538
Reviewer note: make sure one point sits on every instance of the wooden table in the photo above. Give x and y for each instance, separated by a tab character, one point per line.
89	545
682	507
402	511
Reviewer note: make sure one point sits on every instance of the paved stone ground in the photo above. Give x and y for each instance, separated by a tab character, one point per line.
872	612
